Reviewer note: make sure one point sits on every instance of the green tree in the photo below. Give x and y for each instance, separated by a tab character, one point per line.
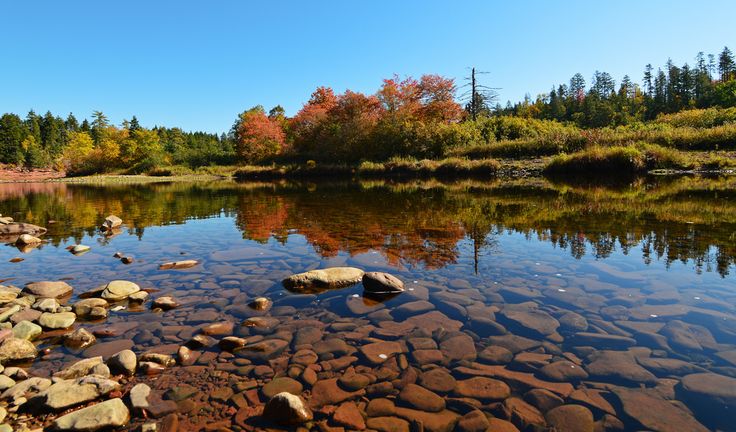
99	127
726	65
12	133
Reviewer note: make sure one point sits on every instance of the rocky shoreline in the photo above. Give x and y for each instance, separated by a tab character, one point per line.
448	357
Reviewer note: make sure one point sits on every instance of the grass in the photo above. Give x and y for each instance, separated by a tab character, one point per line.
619	160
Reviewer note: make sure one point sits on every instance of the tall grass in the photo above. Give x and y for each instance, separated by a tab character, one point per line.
618	160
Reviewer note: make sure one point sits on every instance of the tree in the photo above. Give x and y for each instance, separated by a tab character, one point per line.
99	126
12	135
726	65
648	87
134	125
78	148
437	95
71	123
257	137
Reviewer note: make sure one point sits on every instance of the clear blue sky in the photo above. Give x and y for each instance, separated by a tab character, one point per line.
196	64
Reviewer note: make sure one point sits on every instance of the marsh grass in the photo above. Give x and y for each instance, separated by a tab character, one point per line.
619	160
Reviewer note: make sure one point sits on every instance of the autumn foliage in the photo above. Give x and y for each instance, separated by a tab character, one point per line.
257	136
404	117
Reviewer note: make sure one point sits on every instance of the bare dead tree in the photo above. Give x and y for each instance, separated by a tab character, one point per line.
477	97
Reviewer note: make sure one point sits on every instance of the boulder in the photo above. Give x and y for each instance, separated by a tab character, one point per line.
315	281
382	283
27	330
79	338
287	409
109	414
119	290
68	393
570	418
111	222
59	320
48	289
83	368
13	349
654	413
27	239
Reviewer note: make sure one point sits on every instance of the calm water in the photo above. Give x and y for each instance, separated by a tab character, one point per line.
651	263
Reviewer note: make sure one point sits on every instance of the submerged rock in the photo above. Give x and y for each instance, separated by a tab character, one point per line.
655	413
178	265
165	302
109	414
570	418
323	279
260	303
287	409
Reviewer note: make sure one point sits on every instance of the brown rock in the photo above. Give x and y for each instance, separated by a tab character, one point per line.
654	413
327	392
418	397
482	388
437	380
348	415
379	352
570	418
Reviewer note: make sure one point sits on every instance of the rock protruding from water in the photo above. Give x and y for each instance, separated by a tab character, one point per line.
323	279
111	222
14	349
119	290
178	265
287	409
49	289
109	414
382	283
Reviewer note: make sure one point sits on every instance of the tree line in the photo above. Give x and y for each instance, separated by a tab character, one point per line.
405	117
711	81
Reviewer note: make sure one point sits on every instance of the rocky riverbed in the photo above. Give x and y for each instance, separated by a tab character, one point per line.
233	338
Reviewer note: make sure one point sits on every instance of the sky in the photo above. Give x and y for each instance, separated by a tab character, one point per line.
196	64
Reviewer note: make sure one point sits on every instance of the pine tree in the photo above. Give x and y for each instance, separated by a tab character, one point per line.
726	66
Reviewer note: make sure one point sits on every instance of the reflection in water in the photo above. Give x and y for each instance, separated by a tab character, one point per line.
517	281
416	224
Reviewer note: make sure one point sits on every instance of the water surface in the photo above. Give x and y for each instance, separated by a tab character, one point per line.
650	263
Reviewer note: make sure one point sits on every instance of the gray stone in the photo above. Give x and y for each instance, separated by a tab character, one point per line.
109	414
124	362
49	289
68	393
59	320
14	349
27	330
119	290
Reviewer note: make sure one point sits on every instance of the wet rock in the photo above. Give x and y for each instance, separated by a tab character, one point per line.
593	398
543	400
388	424
499	425
264	350
354	382
348	415
90	366
319	280
570	418
123	362
218	329
443	421
437	380
13	349
48	289
165	303
69	393
573	322
615	366
281	385
59	320
514	343
307	336
563	371
459	347
79	249
6	382
79	338
603	341
681	336
119	290
139	297
495	355
538	322
327	392
518	380
165	360
26	330
108	414
668	366
474	421
521	414
287	409
27	239
89	308
111	222
420	398
382	283
232	343
178	265
482	388
107	349
260	304
712	396
379	352
427	356
655	413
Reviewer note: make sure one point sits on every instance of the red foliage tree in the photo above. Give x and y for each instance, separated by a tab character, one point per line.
257	136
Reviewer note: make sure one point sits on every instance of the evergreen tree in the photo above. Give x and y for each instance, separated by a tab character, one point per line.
726	66
71	123
99	126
